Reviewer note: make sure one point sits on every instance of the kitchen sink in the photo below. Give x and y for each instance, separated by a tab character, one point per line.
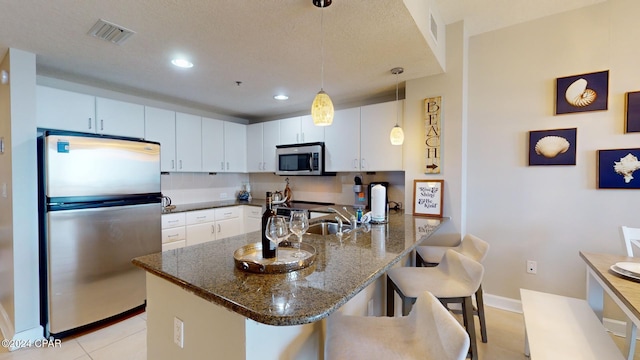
327	228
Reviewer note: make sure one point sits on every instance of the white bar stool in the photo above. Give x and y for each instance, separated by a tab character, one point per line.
454	280
472	247
428	332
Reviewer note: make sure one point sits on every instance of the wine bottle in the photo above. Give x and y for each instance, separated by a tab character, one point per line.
268	247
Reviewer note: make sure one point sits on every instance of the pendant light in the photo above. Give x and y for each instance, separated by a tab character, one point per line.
322	107
397	135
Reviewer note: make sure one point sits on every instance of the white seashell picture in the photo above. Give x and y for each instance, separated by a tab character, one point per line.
586	92
552	147
619	169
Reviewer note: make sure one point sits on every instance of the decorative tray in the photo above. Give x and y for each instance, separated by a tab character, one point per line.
249	258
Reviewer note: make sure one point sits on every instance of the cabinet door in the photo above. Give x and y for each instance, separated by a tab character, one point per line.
65	110
310	132
119	118
376	151
254	147
235	147
212	145
160	126
188	142
290	130
270	138
201	233
228	227
342	141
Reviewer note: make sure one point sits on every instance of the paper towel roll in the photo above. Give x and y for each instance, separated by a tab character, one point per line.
378	204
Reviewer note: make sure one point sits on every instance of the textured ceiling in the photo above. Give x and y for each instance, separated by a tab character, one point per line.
270	46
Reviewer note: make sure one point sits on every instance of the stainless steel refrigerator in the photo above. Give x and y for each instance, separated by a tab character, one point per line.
100	206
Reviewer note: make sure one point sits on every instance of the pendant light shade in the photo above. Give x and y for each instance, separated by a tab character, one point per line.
397	135
322	109
322	106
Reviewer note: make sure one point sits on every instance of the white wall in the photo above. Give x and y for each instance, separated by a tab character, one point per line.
19	294
547	213
452	87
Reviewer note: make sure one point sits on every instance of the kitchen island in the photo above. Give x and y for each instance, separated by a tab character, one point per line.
238	315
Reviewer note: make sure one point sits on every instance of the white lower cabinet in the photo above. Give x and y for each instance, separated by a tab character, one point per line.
173	231
228	222
252	218
200	226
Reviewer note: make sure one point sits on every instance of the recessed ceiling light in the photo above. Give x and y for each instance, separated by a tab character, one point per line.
183	63
281	97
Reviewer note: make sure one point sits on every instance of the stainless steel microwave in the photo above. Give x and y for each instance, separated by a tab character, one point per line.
300	159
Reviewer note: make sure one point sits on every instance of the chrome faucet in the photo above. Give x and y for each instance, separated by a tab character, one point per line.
342	216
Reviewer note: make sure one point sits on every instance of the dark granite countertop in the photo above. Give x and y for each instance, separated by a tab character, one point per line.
342	269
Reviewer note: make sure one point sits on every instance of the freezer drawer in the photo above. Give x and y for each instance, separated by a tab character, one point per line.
89	272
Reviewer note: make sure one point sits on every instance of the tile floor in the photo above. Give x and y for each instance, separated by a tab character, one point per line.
127	340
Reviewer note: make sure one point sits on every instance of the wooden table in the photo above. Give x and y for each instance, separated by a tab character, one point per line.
624	292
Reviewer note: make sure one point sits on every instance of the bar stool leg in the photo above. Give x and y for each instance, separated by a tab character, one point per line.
467	316
481	319
390	297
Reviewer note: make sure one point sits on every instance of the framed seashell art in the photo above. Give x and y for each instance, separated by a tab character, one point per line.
633	112
619	169
553	147
585	92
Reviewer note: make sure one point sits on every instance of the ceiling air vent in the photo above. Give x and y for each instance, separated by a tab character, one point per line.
110	32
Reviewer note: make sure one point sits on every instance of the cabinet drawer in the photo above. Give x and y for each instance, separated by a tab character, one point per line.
174	245
253	211
200	216
173	234
173	220
227	212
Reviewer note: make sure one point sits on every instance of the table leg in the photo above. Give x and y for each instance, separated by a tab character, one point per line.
595	293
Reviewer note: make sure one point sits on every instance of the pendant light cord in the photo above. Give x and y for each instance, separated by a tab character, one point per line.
322	45
397	103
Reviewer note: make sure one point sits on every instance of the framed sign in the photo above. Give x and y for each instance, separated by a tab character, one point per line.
432	124
427	197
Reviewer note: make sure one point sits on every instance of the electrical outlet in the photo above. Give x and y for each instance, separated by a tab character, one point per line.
223	195
532	267
178	332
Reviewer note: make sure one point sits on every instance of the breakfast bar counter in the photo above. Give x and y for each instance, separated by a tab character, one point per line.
206	275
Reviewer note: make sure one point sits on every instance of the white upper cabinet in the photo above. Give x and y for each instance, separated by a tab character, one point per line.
65	110
311	132
254	147
188	142
160	126
342	141
235	147
262	139
300	129
119	118
358	139
376	151
212	145
224	146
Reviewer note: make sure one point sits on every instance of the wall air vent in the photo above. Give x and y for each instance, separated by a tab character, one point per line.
110	32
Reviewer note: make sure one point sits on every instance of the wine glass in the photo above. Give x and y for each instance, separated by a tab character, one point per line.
276	231
299	224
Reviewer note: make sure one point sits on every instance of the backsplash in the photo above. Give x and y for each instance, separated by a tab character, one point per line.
187	188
